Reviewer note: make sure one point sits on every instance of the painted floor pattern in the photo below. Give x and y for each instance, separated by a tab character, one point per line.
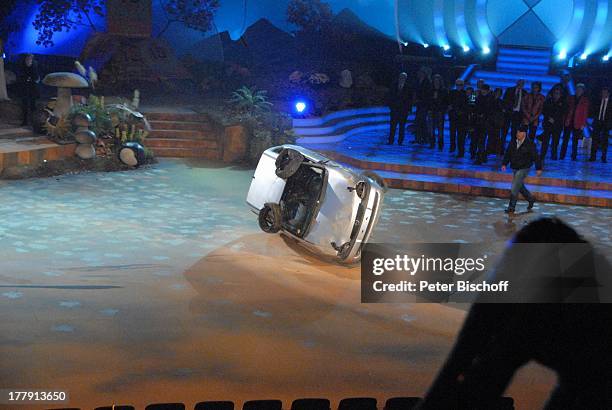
121	283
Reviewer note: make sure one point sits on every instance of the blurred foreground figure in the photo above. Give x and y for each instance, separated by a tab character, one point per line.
573	339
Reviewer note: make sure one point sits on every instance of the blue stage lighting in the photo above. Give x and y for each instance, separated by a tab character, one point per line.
486	50
300	107
466	49
606	57
562	55
446	47
425	45
583	56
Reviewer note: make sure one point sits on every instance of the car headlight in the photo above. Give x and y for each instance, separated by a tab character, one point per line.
360	189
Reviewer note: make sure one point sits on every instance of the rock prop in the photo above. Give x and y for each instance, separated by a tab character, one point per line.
132	154
64	82
85	138
346	79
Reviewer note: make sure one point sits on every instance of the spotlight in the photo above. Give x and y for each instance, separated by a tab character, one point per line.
606	57
300	107
562	55
466	49
486	50
446	47
583	56
425	45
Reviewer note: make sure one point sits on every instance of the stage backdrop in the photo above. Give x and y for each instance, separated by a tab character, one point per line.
574	26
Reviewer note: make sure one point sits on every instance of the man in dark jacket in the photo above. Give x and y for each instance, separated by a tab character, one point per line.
554	116
485	103
423	105
28	81
514	99
456	113
521	155
399	101
602	121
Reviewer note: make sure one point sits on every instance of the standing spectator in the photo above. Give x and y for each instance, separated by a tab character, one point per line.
422	102
554	115
468	124
532	108
568	124
602	122
28	81
521	154
484	124
456	111
564	84
497	140
479	83
514	99
439	104
399	101
580	112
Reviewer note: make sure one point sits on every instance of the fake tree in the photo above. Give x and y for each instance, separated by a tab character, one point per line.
195	14
8	24
64	15
309	15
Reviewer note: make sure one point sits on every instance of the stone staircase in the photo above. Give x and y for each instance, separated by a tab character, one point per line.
183	135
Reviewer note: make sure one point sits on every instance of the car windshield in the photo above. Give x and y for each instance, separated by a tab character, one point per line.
301	197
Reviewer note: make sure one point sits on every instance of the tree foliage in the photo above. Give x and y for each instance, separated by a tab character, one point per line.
309	15
64	15
195	14
8	23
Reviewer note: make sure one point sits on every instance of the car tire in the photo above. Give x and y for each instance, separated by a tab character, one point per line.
288	162
270	218
377	178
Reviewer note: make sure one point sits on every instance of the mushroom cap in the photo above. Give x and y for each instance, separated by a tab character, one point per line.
65	80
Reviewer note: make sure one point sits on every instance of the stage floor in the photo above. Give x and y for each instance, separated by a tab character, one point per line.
157	285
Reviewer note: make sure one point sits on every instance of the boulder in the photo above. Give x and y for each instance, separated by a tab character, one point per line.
85	151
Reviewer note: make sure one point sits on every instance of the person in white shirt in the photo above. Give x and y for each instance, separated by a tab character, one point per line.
602	119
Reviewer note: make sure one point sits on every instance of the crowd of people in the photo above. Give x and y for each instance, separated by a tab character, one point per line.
486	116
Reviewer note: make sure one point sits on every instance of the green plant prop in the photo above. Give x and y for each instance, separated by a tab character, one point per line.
250	100
101	120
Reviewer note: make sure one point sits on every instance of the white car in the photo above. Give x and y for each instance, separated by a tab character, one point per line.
325	206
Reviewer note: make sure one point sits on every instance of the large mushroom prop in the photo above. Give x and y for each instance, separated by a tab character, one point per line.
64	82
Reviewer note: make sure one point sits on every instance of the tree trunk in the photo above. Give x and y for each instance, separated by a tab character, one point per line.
3	92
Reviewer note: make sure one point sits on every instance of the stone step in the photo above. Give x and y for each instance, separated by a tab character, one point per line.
180	143
479	187
181	125
183	134
16	132
177	116
212	154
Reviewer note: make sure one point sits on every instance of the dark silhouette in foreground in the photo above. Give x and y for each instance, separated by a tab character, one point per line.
573	339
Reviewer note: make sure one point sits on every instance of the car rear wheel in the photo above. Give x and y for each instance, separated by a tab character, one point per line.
270	218
376	178
288	162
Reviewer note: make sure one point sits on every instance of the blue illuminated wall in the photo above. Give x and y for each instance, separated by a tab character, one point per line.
569	26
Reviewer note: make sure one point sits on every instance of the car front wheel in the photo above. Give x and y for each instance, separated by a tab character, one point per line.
270	218
288	162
